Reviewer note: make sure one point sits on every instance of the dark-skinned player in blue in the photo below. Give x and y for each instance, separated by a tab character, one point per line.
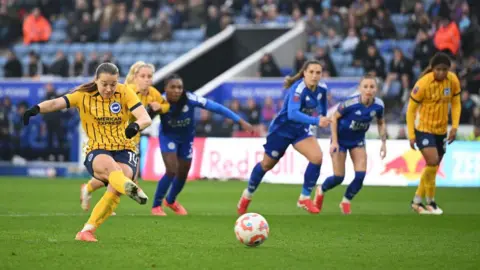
306	94
176	134
349	124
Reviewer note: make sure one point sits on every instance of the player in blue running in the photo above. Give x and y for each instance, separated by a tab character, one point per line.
176	133
306	94
349	125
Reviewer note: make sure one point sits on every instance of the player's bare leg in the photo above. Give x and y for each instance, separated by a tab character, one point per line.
310	149
86	191
255	178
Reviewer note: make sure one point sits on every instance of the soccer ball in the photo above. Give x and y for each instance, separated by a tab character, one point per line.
251	229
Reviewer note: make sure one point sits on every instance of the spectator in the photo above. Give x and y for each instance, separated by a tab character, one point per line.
383	26
13	67
10	25
78	68
468	106
447	37
268	67
162	30
118	26
213	22
205	126
373	63
424	49
86	31
400	70
92	64
53	124
268	111
327	22
362	47
334	41
35	66
60	66
300	59
139	28
180	15
325	60
253	114
19	131
418	21
312	24
36	28
350	42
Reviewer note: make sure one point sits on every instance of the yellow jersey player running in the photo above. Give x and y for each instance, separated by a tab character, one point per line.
139	79
431	96
105	107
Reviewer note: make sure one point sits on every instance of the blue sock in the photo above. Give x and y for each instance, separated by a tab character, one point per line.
310	178
355	186
162	187
331	182
177	187
255	178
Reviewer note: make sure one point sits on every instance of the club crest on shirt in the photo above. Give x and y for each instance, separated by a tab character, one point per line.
372	113
115	107
296	97
415	90
185	108
319	96
446	91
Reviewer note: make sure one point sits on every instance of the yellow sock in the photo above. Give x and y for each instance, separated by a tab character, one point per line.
430	174
421	188
117	179
104	209
89	187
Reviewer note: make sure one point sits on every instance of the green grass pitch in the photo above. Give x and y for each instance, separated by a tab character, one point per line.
39	220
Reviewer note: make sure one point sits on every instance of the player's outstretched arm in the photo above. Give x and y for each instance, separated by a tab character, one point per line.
295	114
45	107
215	107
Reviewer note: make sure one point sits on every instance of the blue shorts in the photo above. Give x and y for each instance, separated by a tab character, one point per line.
122	156
183	148
277	144
347	146
424	140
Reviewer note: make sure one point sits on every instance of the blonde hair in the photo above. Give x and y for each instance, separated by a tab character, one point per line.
134	70
289	80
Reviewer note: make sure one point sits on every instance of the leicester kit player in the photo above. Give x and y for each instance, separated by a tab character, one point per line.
105	106
349	124
427	122
176	133
139	79
306	95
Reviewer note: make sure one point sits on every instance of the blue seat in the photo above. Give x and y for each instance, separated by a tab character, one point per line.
131	47
196	34
103	47
146	47
351	72
190	45
60	24
241	20
58	36
181	35
20	50
168	58
338	59
175	47
3	60
118	48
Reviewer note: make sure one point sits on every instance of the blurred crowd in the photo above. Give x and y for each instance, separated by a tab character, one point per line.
48	137
369	36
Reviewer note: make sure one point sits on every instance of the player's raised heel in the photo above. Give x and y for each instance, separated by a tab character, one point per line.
308	205
134	192
346	208
84	197
318	200
242	205
434	209
86	236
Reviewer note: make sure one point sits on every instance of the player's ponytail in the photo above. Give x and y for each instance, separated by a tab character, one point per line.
289	80
438	59
134	70
107	68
